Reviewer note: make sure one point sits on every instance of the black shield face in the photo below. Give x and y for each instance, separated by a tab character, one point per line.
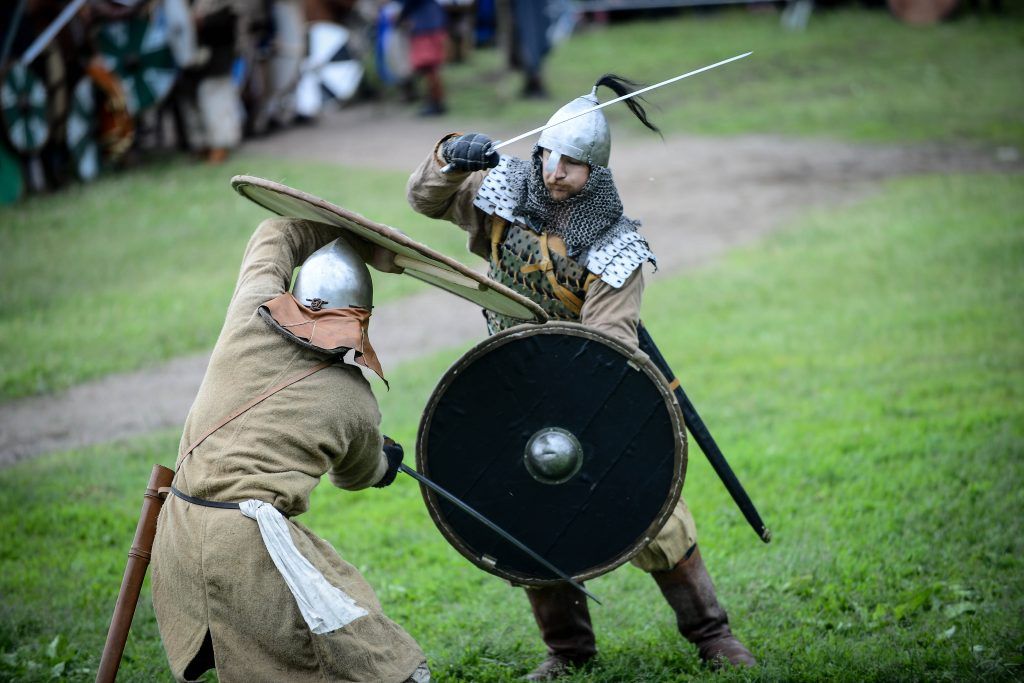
562	438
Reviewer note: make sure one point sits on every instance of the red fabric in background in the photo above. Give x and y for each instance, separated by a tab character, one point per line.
428	50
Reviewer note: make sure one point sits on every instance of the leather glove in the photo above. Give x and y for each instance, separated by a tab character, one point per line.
470	152
394	453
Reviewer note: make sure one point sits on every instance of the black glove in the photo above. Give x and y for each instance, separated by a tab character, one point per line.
393	452
470	152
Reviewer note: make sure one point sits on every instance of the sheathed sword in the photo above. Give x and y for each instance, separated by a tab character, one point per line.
704	439
451	498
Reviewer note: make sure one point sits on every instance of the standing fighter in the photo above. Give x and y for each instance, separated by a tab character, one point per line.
553	229
237	583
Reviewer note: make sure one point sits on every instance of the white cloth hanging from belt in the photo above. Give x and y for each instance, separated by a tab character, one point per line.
324	607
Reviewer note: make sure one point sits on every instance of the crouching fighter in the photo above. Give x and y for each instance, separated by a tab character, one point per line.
238	584
553	229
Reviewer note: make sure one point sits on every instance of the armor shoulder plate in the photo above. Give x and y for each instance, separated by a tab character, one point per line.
615	261
500	192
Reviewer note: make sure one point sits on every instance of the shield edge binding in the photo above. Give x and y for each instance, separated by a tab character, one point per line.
240	182
637	358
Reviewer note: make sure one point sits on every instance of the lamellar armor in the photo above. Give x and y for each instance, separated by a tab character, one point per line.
524	261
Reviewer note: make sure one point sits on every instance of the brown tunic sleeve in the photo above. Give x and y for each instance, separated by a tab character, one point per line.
449	196
362	462
615	311
278	246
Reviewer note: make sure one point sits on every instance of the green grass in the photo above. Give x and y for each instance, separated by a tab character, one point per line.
138	267
863	373
852	74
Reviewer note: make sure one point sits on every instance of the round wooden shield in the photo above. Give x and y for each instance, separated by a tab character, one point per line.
23	109
418	260
564	438
82	130
138	51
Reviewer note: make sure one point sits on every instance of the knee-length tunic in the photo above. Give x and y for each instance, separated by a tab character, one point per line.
211	570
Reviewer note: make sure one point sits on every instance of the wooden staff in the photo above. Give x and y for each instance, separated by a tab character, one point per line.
134	573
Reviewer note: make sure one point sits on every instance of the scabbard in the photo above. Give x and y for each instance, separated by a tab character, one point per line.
134	573
703	437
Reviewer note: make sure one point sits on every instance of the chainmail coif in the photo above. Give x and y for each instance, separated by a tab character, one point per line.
592	218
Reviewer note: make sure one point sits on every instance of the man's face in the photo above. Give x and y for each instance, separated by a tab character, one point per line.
566	178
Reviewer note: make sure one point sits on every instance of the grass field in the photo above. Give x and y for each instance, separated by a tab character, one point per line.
863	372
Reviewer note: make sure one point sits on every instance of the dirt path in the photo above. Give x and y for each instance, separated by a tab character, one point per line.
697	197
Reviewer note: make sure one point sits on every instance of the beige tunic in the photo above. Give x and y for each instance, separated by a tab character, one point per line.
615	311
211	570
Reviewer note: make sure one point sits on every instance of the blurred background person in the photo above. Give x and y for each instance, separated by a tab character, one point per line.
428	48
531	24
461	16
212	106
279	50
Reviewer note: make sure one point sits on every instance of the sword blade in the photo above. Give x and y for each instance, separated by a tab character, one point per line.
706	442
19	12
437	488
619	99
40	43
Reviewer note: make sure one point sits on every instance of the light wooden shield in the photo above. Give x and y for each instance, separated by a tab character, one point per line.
418	260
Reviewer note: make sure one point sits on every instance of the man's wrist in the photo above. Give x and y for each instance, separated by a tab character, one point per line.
439	151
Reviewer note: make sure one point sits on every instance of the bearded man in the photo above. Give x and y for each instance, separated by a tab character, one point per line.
238	584
552	228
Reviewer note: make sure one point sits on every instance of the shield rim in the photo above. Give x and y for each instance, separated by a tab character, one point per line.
634	357
240	182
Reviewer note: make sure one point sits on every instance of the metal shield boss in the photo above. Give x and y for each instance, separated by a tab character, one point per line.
565	438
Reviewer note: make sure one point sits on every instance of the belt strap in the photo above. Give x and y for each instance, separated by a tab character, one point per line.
202	501
498	225
562	293
211	503
228	418
259	399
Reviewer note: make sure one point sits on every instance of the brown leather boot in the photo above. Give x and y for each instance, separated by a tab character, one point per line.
564	619
702	621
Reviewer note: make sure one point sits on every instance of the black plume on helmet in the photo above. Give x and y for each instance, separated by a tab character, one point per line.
623	86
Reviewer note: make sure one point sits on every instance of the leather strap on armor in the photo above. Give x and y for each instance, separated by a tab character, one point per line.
534	264
571	301
254	402
498	225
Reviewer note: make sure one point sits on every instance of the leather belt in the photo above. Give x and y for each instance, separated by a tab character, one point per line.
210	503
203	501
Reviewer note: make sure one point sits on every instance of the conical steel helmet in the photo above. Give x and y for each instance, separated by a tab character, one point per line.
586	138
334	276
